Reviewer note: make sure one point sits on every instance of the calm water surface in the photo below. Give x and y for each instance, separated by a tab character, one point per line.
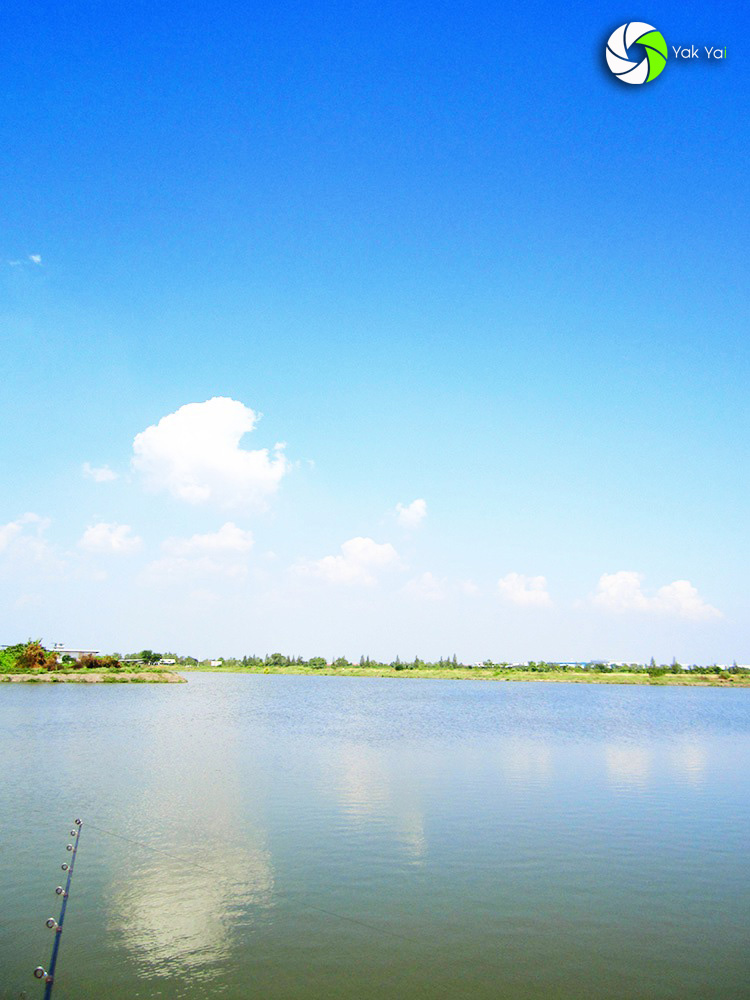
316	837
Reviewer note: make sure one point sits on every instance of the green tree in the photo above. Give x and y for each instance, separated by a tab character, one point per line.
277	660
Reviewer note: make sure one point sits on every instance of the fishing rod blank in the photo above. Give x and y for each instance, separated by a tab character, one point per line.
57	925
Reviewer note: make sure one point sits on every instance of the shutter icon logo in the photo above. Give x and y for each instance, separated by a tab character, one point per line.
636	65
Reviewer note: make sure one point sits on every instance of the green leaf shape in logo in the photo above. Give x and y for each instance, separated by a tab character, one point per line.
636	65
656	52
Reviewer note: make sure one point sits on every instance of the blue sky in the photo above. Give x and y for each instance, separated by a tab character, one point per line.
448	257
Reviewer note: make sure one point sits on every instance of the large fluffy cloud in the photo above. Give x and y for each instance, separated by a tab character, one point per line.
360	561
527	591
117	539
195	454
622	591
411	515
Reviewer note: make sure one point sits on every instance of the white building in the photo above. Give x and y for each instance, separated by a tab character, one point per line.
60	650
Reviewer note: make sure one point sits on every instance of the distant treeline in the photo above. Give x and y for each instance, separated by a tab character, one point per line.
279	661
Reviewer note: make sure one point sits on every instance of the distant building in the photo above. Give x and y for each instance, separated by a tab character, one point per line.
60	650
168	663
216	663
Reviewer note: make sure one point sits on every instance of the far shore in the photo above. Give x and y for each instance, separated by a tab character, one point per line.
507	674
696	679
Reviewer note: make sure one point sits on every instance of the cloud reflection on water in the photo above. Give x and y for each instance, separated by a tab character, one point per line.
690	760
526	762
628	765
177	917
371	789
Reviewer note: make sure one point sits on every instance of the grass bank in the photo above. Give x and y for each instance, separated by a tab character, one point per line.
502	674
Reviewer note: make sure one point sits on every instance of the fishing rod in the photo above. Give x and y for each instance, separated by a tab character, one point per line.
57	925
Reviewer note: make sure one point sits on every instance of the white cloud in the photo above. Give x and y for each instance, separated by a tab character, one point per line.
8	533
17	535
100	474
228	539
35	258
411	515
528	591
622	591
468	587
426	587
194	454
218	553
26	556
681	598
360	560
110	538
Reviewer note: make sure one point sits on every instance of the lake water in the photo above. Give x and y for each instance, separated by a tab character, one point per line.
319	837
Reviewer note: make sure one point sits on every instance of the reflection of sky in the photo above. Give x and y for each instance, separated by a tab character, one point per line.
526	761
364	783
628	765
411	828
176	915
690	760
369	790
171	914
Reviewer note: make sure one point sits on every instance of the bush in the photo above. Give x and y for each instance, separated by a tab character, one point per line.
34	656
91	662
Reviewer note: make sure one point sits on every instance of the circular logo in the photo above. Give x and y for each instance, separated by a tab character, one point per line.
641	65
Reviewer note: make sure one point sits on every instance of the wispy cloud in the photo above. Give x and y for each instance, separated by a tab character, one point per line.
13	531
34	258
220	553
411	515
99	474
117	539
526	591
360	562
426	587
25	551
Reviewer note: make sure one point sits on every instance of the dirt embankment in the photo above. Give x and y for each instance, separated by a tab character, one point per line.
95	677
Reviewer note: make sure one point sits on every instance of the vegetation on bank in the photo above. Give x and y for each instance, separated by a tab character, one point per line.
32	661
595	672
